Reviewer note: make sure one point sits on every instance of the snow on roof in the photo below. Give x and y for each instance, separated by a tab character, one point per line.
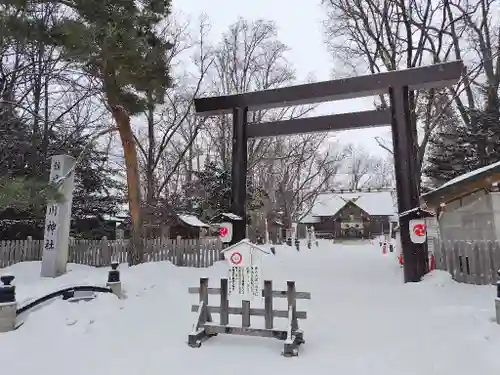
464	177
309	219
247	242
193	221
232	216
375	203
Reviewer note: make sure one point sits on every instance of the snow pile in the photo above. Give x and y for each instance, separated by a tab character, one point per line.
361	320
438	278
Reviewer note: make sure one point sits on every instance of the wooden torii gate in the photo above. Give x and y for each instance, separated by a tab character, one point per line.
398	84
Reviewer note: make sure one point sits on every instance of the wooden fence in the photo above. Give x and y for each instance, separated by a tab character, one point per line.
204	326
472	262
99	253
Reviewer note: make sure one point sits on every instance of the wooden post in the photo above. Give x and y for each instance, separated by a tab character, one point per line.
239	173
245	314
292	302
268	304
224	303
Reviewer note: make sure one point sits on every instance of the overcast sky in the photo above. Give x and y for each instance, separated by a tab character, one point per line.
299	27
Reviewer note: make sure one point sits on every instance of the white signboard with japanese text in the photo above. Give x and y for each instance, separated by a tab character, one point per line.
57	220
245	271
418	231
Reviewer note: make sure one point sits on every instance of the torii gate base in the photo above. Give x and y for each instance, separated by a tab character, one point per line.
398	84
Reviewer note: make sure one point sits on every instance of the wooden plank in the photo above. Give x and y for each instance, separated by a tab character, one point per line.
197	248
40	250
2	254
253	311
486	262
466	259
276	293
488	265
495	255
450	254
32	250
213	328
268	304
37	251
477	266
170	254
457	271
21	257
161	250
11	252
179	254
29	244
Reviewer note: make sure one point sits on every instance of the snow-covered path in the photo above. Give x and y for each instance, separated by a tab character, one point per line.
361	320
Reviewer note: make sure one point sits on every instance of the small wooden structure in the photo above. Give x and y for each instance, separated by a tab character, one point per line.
205	328
187	227
468	207
466	239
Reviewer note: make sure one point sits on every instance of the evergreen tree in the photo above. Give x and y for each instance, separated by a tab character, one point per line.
448	154
15	194
210	193
115	41
98	193
483	133
455	150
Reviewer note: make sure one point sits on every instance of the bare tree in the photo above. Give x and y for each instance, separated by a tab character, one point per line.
384	35
291	169
49	94
383	173
473	29
358	167
249	57
293	175
169	138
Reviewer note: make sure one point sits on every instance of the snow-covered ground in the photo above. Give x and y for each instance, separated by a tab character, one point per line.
362	320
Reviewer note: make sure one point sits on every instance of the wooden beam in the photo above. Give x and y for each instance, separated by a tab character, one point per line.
342	121
212	328
425	77
276	293
253	312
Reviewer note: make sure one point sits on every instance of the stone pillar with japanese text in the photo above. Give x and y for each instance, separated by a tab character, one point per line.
58	220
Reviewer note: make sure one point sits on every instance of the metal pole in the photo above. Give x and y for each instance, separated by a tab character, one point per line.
406	164
239	173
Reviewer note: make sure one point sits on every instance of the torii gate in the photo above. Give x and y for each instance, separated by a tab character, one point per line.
397	84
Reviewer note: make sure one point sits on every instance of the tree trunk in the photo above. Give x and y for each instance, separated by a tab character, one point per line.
122	118
150	169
